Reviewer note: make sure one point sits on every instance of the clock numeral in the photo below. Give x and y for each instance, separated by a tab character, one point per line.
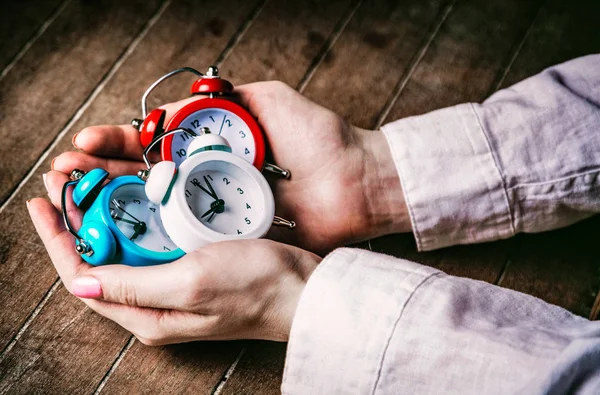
195	123
209	177
136	201
212	118
185	136
121	202
188	193
181	153
165	248
247	220
228	122
152	209
239	232
248	206
242	134
246	151
241	191
226	181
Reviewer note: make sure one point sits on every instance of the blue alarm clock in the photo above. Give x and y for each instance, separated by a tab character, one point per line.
120	225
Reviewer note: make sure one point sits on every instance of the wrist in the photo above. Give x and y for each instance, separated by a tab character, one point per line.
387	211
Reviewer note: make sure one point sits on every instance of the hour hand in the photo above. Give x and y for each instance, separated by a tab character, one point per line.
213	195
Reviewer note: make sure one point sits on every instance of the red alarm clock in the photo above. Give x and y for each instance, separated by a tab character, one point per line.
216	112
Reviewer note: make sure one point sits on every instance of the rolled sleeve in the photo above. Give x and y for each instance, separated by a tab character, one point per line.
525	160
345	320
452	185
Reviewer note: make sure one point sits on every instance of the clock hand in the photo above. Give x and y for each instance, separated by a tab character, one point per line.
211	188
212	216
118	205
138	229
212	209
222	123
196	183
125	220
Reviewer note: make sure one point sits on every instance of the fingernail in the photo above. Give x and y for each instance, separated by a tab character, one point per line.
86	287
73	140
52	164
27	202
45	183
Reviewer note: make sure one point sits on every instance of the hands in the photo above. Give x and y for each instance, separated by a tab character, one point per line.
344	189
344	186
228	290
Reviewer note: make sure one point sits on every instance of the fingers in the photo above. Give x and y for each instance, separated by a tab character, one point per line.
173	286
121	141
58	241
67	161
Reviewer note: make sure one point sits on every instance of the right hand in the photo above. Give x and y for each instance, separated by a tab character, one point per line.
344	186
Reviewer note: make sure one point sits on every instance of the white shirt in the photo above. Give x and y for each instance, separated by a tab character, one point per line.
525	160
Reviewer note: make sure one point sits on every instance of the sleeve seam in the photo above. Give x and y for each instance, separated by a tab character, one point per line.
495	161
393	328
557	180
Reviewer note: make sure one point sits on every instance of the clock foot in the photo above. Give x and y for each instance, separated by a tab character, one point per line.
271	168
278	221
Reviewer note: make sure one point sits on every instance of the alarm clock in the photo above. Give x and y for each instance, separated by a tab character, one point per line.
120	225
213	195
217	112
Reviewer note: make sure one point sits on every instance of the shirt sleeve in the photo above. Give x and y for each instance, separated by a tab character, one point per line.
525	160
368	323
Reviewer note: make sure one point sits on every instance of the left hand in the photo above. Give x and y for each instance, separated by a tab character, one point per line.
229	290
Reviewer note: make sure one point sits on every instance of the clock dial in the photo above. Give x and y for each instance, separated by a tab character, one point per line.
139	219
221	122
224	198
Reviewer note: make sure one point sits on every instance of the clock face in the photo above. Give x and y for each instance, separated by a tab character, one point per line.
139	219
224	198
221	122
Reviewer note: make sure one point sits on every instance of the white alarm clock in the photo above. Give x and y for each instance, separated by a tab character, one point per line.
212	196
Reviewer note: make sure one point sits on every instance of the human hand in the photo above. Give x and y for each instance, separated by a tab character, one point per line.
344	186
246	289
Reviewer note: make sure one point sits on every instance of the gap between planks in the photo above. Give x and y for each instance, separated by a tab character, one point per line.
516	51
88	101
30	319
33	39
331	40
219	388
413	65
115	364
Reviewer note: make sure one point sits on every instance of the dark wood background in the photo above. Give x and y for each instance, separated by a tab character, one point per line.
68	64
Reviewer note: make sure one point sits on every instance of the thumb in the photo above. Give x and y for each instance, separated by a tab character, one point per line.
163	286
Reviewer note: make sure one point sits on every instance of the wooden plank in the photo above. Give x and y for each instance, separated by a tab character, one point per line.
33	92
19	22
46	86
24	285
370	57
259	371
560	267
189	368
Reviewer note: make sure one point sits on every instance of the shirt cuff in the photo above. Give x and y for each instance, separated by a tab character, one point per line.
453	188
341	331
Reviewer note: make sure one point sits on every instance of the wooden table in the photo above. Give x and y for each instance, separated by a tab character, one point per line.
68	64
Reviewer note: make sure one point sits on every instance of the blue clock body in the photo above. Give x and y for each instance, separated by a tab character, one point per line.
98	229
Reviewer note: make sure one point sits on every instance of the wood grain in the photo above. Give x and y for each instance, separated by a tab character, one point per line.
19	22
44	89
27	273
27	94
371	55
